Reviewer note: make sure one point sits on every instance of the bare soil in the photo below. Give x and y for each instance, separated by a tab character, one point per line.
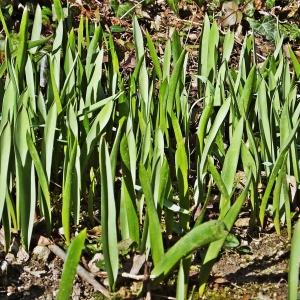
35	275
260	274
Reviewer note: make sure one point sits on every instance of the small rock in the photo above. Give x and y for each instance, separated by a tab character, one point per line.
22	255
48	297
61	231
106	282
10	258
10	290
43	241
20	288
3	267
242	222
41	253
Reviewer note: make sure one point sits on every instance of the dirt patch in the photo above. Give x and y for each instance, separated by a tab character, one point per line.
35	276
260	274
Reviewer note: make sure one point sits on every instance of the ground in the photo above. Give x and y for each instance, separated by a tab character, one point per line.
259	273
35	275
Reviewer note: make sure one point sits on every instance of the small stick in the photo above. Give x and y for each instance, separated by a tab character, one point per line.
83	273
137	277
134	277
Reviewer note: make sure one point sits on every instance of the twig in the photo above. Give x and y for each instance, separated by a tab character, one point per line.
134	277
83	273
137	277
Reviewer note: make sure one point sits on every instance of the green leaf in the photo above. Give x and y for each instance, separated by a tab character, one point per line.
277	166
128	196
181	283
6	222
108	216
244	102
173	4
222	113
143	74
58	10
264	122
48	140
204	48
91	52
181	164
270	4
5	148
231	241
103	117
228	45
22	46
67	193
154	56
294	264
199	236
2	19
205	116
30	83
116	147
25	178
70	266
125	9
277	194
167	60
215	247
156	241
266	27
175	77
55	88
42	177
231	162
36	28
218	180
295	62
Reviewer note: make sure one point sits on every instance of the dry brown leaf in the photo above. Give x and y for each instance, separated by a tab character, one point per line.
220	280
232	14
257	4
95	231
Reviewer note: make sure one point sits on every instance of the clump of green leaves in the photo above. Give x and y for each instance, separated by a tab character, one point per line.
269	28
70	117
